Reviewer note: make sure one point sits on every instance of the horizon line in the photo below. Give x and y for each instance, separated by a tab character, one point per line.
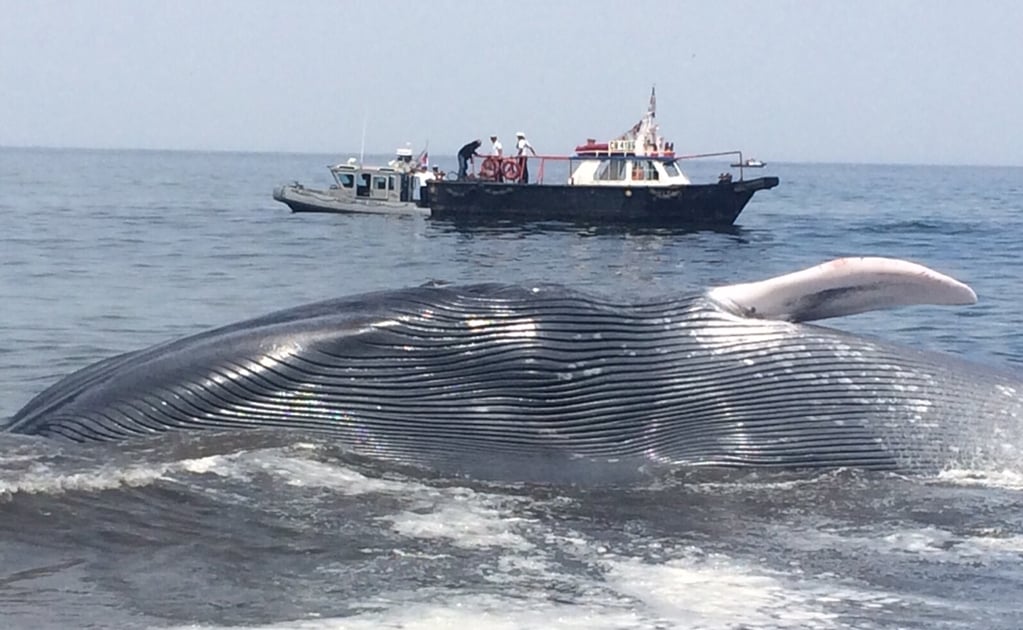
42	147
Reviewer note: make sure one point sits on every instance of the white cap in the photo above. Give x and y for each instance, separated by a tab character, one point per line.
521	134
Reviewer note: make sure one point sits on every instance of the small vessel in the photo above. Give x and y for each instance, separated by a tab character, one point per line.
750	163
358	188
635	177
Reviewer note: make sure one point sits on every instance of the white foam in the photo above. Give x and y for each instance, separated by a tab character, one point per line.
684	588
204	465
716	593
478	611
1006	479
40	478
464	520
944	546
930	543
689	588
294	471
711	593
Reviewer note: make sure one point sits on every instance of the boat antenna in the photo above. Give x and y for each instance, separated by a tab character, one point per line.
362	148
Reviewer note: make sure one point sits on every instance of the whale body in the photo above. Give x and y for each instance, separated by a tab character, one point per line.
491	373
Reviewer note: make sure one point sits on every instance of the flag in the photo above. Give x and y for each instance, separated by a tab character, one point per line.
424	158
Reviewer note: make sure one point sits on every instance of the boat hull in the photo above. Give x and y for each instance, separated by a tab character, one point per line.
302	199
695	204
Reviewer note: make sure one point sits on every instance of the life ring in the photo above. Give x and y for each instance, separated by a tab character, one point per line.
490	168
510	170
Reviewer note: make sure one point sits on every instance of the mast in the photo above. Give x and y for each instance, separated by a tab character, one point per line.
362	147
643	138
646	135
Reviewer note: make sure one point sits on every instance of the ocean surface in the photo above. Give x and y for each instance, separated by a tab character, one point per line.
103	252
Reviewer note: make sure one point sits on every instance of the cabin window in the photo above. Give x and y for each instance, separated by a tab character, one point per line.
362	189
380	183
390	183
644	170
347	179
672	169
651	171
611	170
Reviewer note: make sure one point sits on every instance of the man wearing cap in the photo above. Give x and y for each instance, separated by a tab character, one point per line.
465	155
521	145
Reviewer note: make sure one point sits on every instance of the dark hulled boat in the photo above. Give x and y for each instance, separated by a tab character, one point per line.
634	178
690	204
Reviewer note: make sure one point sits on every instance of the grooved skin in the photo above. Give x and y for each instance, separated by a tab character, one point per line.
432	374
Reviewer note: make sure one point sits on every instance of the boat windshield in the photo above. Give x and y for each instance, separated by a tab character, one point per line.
672	169
611	170
346	179
644	170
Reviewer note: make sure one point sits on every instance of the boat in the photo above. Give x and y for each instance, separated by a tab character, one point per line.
750	163
635	177
392	189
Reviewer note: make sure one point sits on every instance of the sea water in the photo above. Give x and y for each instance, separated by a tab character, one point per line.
103	252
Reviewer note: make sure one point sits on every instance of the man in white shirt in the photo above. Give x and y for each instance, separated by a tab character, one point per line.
420	177
521	145
497	151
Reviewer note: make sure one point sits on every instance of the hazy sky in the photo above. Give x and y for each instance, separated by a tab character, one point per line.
892	81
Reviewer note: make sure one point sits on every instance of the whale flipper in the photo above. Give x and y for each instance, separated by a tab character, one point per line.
844	286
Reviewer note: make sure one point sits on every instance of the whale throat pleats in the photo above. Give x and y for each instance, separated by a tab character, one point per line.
518	377
432	373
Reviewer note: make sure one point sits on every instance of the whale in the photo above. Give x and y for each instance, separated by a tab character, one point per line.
534	377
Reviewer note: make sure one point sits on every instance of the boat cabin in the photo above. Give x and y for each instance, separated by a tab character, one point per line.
627	170
369	182
593	168
640	157
375	183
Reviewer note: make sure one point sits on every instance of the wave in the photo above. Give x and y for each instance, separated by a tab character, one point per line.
997	478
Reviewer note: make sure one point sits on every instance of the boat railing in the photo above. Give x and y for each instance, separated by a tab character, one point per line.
700	156
509	167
